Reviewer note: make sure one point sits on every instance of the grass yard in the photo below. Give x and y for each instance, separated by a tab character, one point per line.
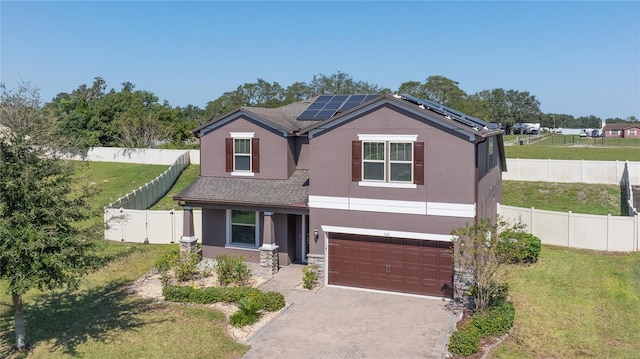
102	320
599	199
573	153
575	304
114	180
188	175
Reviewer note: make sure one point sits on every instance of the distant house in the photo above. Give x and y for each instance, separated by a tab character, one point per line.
368	187
623	130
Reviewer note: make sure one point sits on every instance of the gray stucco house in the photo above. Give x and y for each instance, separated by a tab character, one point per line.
368	187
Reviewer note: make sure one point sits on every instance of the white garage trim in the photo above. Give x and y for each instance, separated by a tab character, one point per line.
463	210
387	233
451	209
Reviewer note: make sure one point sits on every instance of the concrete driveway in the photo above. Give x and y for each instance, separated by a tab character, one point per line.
347	323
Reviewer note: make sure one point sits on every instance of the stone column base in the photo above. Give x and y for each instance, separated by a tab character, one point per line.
269	259
462	283
318	261
188	244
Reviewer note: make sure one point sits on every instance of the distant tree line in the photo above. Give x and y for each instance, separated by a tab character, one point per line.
95	116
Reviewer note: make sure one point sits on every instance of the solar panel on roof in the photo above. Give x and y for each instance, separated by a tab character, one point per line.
450	113
326	106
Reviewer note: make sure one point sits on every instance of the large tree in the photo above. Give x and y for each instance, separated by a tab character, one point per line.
45	242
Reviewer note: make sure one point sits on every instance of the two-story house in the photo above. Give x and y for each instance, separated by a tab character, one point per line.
368	187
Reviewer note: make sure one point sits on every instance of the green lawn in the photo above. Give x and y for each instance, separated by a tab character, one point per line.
102	320
114	180
575	304
599	199
188	175
573	153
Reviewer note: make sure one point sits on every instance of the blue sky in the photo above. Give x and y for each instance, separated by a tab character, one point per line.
578	58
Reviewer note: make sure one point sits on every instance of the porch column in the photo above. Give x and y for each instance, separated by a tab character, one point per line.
269	249
188	241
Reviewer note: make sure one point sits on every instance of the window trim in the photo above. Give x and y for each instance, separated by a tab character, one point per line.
236	155
630	133
229	231
387	139
254	154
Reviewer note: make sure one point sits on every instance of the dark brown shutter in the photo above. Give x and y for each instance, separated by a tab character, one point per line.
255	155
418	163
229	154
356	161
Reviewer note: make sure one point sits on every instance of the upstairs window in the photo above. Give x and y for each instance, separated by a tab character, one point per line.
388	161
242	154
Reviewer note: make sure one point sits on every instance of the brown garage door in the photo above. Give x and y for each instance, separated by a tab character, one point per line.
394	264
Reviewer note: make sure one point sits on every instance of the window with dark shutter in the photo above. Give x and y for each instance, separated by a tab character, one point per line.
229	154
255	155
356	161
418	163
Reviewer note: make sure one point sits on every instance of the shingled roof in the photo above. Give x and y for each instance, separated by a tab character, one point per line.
292	192
621	126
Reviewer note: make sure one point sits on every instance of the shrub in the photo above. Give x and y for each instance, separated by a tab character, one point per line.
186	266
167	261
495	292
175	293
519	247
497	320
465	341
231	269
210	295
310	276
271	301
247	313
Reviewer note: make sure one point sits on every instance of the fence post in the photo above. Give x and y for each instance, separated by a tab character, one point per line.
569	233
608	233
531	219
146	226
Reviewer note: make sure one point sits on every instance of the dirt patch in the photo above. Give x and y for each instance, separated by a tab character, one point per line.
149	286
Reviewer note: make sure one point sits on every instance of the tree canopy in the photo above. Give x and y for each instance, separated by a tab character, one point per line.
97	116
45	242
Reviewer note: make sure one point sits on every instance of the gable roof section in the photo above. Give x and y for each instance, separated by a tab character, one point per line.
464	125
281	119
292	192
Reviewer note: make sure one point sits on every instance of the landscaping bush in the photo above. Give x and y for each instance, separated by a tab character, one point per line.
176	293
247	313
465	341
209	295
519	247
231	269
496	292
271	301
186	266
498	319
310	276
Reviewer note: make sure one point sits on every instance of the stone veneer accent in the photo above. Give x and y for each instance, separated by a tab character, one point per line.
188	244
318	260
269	259
462	282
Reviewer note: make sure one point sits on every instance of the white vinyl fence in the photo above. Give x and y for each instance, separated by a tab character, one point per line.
145	226
575	230
148	194
149	156
607	172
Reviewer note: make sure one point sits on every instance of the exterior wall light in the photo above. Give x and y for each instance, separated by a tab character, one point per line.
315	234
